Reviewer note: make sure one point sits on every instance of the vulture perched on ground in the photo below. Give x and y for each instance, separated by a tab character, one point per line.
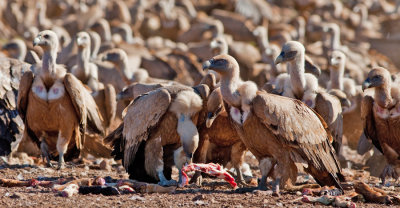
304	86
380	114
159	131
269	127
55	106
11	124
219	141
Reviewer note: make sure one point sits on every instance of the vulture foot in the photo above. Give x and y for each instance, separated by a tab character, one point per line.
45	153
388	171
262	185
197	179
168	183
275	187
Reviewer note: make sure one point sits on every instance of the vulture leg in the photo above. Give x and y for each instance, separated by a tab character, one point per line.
266	165
62	146
154	164
237	155
388	171
180	160
200	156
45	152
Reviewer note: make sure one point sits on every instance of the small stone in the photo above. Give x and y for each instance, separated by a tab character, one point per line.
279	204
266	201
7	194
199	203
198	197
298	193
16	196
20	177
137	198
105	165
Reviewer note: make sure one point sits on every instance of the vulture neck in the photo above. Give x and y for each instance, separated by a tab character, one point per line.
336	76
383	97
335	39
229	85
297	78
127	74
49	62
263	41
83	59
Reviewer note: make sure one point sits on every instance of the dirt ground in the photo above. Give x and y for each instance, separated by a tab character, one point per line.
213	193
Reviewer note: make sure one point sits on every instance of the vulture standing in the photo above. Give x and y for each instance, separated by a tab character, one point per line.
159	130
219	141
380	114
55	106
304	86
278	131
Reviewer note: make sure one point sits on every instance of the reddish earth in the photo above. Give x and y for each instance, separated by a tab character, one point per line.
213	193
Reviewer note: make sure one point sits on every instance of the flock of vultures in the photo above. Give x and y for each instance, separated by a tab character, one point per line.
158	84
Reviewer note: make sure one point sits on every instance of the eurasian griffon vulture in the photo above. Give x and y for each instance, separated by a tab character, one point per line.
278	130
55	106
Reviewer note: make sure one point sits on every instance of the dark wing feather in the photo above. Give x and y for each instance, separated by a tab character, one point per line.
367	116
142	115
300	128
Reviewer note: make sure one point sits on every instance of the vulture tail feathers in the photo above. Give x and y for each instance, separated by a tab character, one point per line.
114	139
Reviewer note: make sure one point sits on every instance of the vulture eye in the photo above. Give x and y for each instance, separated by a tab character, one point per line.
46	36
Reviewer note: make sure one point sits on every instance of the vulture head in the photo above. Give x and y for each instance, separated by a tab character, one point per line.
338	59
215	107
103	29
219	45
114	56
224	64
16	48
377	77
47	40
290	51
83	40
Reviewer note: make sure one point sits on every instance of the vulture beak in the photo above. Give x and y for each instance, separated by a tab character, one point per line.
207	64
210	119
366	84
36	41
279	59
79	41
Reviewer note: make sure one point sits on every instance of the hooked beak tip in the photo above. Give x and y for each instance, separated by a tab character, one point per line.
206	65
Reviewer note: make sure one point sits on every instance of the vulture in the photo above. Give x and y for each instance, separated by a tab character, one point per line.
304	86
219	141
159	131
11	124
55	106
380	114
85	70
284	134
87	73
16	48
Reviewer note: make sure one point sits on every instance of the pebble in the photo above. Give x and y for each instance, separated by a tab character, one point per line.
137	198
16	196
199	203
105	165
198	197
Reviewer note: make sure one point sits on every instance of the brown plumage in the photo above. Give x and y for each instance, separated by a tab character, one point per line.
219	141
159	130
11	124
380	114
304	86
271	132
51	92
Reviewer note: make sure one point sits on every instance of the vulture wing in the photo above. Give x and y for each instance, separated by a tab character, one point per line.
298	127
330	109
142	115
85	106
24	89
367	115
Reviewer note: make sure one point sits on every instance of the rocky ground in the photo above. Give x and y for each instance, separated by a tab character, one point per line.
214	192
